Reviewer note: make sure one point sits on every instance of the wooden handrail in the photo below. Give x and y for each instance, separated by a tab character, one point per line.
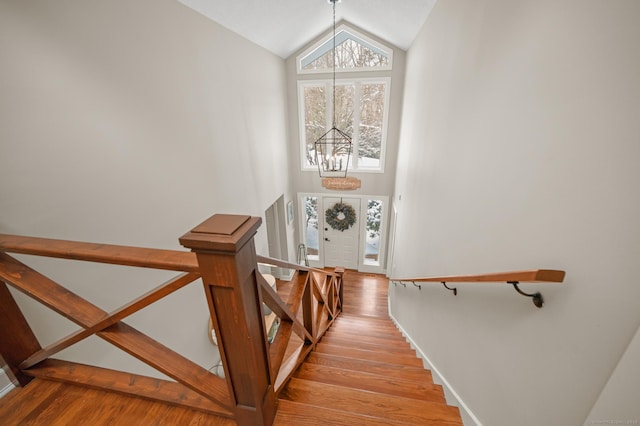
87	315
288	265
22	351
532	275
514	278
172	260
223	256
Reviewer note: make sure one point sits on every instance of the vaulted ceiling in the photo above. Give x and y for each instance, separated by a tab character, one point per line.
284	26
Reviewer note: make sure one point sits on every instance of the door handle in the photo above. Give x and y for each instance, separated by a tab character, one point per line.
326	239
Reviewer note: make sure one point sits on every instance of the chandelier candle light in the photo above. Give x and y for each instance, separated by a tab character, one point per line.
333	149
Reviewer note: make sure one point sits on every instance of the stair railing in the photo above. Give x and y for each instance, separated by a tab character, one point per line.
226	261
514	278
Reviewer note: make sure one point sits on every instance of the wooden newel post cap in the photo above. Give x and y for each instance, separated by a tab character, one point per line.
222	232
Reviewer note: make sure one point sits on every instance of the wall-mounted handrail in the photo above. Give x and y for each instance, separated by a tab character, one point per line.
514	278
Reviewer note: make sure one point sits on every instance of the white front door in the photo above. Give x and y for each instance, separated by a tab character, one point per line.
341	246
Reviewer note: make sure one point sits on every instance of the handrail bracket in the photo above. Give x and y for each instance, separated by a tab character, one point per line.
537	297
454	289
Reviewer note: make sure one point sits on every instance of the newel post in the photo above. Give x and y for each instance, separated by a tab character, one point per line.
226	255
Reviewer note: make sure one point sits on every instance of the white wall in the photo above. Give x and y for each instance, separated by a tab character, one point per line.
130	122
618	401
520	143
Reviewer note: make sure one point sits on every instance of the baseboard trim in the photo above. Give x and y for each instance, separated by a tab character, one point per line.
458	401
6	381
8	388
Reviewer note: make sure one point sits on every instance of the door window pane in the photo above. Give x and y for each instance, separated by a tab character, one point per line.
311	227
372	229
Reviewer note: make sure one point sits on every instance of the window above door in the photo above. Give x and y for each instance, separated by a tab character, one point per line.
354	52
361	112
360	100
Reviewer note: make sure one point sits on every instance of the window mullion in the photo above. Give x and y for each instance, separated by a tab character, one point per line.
355	138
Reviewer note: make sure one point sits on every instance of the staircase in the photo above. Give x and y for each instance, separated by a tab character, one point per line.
363	372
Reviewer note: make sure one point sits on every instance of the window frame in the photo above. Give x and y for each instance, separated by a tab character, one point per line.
363	265
357	36
357	82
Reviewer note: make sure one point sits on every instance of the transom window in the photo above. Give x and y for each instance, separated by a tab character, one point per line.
354	52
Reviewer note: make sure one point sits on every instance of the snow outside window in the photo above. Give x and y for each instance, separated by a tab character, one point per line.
361	112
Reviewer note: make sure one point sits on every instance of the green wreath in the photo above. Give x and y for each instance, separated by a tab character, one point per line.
341	216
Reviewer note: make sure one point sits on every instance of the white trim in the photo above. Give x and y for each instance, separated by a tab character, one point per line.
362	267
382	245
356	82
5	390
458	401
319	262
8	386
363	39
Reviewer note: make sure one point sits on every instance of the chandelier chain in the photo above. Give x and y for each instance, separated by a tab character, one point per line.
334	63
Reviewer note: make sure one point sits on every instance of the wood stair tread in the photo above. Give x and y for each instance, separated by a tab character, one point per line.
370	403
387	347
357	327
355	317
426	391
417	374
367	332
296	413
366	337
408	360
370	321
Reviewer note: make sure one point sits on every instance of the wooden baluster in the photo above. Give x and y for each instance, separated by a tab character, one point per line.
17	341
331	297
226	256
339	271
308	310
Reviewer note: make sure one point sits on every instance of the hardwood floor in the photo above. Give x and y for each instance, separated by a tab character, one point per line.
366	294
362	372
44	402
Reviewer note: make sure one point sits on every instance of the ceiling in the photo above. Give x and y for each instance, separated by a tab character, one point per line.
284	26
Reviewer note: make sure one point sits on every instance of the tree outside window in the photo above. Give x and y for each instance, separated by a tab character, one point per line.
360	107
